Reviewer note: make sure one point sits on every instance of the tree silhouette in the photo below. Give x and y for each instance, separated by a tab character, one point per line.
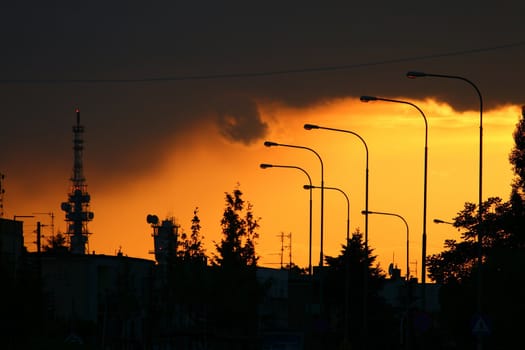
56	244
236	293
502	274
517	197
503	252
239	229
517	157
191	248
353	256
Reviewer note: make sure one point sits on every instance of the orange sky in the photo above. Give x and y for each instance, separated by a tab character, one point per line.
201	165
177	100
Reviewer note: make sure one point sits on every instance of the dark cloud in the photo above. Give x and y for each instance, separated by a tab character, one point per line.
146	74
240	121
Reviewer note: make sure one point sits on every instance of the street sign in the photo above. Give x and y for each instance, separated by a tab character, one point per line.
480	326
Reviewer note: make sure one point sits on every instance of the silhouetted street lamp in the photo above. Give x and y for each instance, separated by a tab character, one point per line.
346	257
439	221
408	239
407	278
271	144
265	166
365	281
310	187
425	176
412	75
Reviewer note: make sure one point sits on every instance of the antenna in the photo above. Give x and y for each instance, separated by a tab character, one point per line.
165	235
283	247
77	206
52	216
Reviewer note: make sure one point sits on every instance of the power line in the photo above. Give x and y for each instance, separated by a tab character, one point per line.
255	74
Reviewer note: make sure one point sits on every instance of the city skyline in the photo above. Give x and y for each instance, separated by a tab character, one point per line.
282	203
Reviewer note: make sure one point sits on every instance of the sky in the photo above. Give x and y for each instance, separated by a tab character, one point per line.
177	100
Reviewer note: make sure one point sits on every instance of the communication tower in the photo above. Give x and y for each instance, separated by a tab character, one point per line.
165	236
77	206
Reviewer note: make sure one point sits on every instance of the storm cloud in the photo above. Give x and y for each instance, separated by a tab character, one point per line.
143	74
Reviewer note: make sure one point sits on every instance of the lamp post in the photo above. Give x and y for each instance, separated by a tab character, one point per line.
310	187
365	280
407	278
347	267
413	75
408	240
425	176
272	144
265	166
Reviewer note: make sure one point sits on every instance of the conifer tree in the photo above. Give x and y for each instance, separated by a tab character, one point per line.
191	247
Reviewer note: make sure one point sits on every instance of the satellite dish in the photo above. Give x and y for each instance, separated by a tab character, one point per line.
66	207
152	219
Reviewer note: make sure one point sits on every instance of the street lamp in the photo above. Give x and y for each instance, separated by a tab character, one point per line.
365	281
425	176
272	144
265	166
407	279
406	224
413	75
312	126
310	187
439	221
347	279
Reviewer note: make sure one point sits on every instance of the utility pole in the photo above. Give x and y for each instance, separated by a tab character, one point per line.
283	247
38	235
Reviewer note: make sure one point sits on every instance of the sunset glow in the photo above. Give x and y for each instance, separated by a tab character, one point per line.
197	168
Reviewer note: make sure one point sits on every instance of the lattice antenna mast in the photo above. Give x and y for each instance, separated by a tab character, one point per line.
283	247
77	206
78	180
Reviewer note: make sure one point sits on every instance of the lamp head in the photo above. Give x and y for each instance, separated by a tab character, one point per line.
264	165
308	187
270	143
310	126
364	212
413	74
439	221
368	98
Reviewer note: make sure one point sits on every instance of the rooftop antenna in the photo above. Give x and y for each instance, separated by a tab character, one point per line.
283	247
77	206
